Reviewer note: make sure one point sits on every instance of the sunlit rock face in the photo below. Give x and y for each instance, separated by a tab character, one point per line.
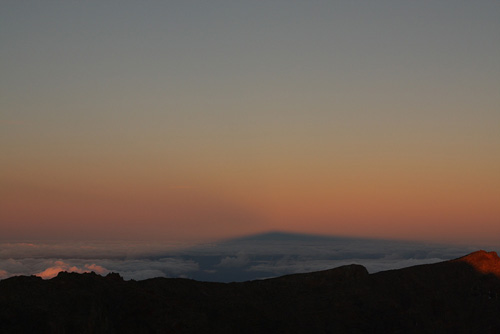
484	262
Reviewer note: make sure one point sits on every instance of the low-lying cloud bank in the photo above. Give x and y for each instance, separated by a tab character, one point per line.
254	257
130	269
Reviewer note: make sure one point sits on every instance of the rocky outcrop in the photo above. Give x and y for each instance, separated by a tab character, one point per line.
484	262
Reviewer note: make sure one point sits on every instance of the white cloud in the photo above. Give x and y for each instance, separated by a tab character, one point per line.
234	261
63	266
230	260
129	269
3	274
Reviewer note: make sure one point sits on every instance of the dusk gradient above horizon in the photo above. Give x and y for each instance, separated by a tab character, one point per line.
198	120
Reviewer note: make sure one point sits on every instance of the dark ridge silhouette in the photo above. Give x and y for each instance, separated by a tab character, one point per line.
457	296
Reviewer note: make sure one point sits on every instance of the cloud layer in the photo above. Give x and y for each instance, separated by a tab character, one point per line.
256	257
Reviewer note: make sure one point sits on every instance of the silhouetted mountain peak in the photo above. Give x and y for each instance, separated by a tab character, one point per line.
484	262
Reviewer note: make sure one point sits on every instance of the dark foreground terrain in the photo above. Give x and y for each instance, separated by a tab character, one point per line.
458	296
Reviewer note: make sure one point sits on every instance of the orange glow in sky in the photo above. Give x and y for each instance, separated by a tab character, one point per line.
126	122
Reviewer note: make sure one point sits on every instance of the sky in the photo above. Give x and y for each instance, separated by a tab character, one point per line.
202	120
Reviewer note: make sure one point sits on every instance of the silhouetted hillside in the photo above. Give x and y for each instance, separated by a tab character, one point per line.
458	296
